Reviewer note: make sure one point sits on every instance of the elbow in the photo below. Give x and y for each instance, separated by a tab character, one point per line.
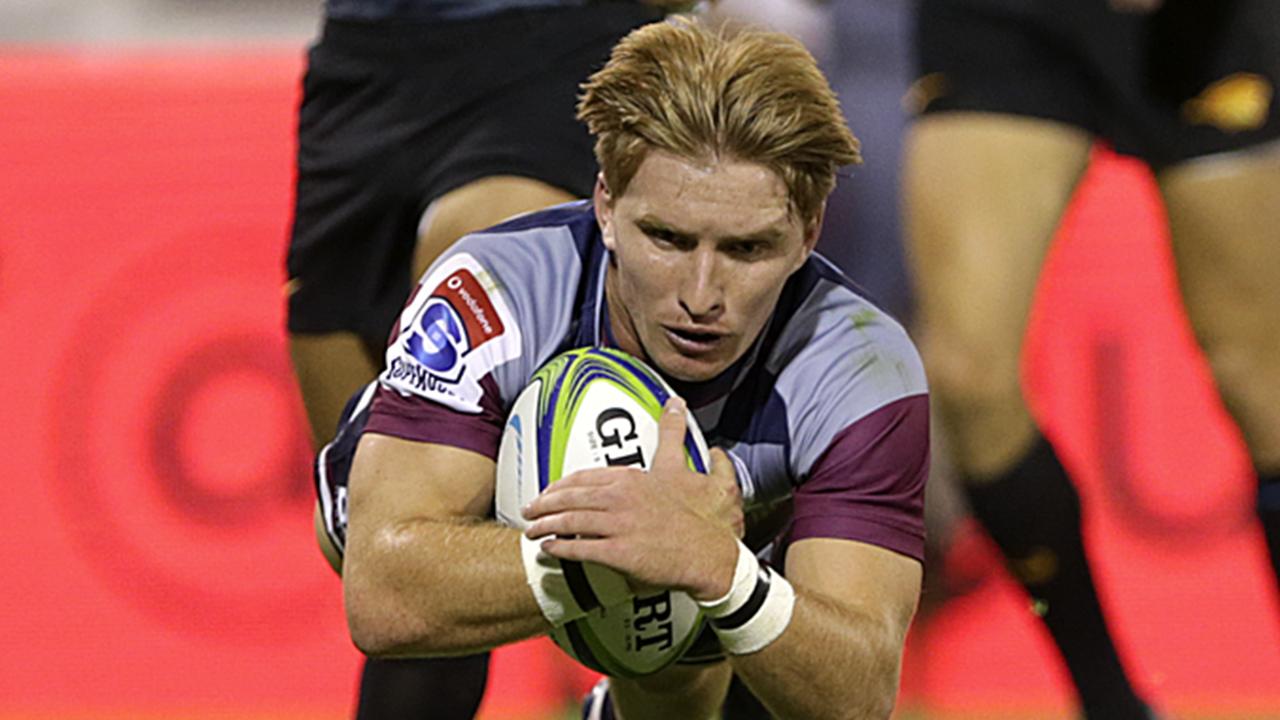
376	630
873	696
380	634
376	640
382	626
887	644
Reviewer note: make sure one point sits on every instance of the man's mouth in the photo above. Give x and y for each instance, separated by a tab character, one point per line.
692	341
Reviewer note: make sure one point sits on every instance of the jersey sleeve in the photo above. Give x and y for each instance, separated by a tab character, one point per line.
478	325
858	415
869	483
411	418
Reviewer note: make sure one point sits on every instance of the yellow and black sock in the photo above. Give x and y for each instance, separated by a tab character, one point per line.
1032	511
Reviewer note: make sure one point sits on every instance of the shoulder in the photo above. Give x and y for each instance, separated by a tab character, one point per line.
830	333
838	358
524	248
490	308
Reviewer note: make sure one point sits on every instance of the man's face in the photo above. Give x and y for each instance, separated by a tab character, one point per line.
701	251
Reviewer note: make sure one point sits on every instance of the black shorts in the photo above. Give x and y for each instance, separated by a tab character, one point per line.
1193	79
395	114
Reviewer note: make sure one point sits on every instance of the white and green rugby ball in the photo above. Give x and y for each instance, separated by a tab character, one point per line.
588	408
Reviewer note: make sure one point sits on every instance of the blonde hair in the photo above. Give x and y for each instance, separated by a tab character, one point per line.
751	95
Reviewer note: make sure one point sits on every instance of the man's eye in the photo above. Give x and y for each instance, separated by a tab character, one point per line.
746	249
666	237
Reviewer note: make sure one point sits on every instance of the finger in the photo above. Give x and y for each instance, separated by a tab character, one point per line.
725	470
586	523
561	499
591	477
597	550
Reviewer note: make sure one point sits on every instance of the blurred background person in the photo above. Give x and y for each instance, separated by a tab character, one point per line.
1013	94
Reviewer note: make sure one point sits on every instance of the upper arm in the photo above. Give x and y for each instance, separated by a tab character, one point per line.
858	423
869	484
422	575
860	577
395	480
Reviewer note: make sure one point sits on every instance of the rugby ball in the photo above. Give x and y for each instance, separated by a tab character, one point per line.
588	408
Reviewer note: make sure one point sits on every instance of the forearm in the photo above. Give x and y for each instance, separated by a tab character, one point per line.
830	662
695	692
425	587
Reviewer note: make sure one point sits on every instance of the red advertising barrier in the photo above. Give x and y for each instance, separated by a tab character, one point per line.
160	561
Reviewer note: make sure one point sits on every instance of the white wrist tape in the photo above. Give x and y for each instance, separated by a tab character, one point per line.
744	581
567	590
756	610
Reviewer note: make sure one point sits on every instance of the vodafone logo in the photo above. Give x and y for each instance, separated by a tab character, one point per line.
455	331
456	318
461	284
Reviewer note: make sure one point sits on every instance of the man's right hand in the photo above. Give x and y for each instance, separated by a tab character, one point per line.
669	527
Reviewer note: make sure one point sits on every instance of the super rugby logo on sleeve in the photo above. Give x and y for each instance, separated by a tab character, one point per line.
455	331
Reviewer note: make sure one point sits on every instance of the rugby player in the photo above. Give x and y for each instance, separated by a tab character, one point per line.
1014	94
422	120
695	254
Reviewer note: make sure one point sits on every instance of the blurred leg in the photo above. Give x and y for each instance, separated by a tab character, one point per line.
871	69
330	368
1224	214
475	206
983	197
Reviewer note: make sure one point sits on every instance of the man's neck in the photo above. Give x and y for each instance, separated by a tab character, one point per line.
619	328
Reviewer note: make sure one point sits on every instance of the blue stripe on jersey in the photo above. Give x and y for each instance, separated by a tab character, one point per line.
827	270
331	468
578	216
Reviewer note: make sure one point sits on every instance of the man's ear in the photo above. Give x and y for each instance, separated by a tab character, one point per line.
602	200
812	231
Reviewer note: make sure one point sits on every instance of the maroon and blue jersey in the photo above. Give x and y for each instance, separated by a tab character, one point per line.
826	416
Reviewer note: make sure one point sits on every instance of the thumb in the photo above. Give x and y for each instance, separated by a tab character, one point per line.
672	427
722	465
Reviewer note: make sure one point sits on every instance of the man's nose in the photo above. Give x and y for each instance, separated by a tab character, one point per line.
702	292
